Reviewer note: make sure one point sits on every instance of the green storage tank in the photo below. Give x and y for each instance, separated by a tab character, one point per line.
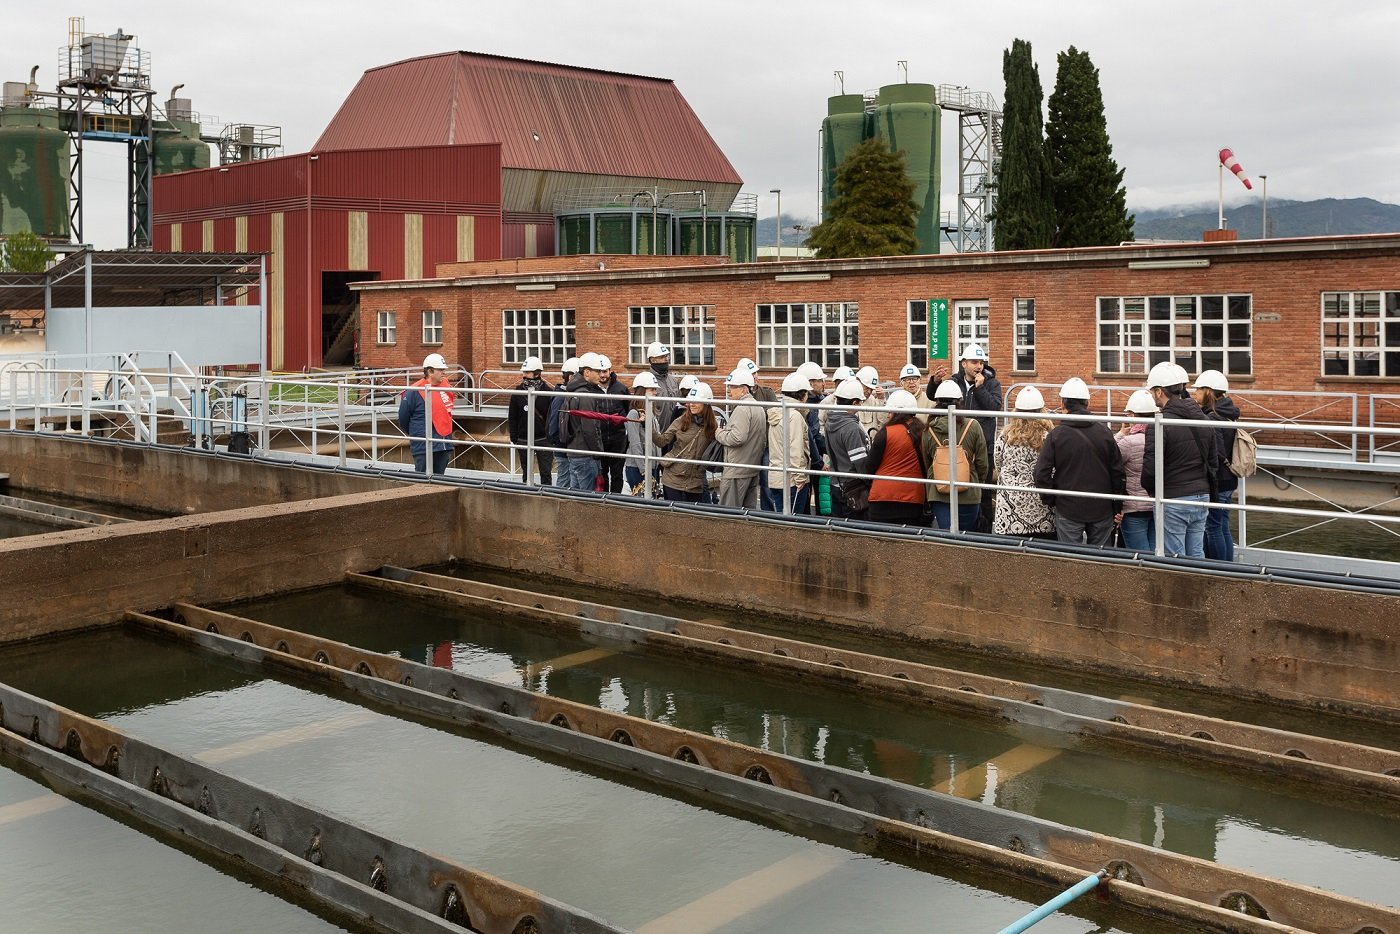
181	150
725	233
908	118
846	126
34	169
739	238
611	229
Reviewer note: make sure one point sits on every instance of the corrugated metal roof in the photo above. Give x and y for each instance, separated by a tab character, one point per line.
546	117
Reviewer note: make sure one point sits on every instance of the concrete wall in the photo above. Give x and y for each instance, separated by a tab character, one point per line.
1306	645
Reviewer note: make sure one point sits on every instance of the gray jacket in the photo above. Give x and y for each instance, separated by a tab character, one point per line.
848	446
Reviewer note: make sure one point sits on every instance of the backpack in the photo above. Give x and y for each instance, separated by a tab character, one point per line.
946	470
1244	457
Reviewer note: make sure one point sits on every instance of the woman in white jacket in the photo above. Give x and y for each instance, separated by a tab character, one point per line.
787	448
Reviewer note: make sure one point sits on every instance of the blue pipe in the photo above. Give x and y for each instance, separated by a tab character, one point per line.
1056	903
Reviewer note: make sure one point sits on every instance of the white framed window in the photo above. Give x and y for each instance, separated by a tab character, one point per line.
971	323
689	330
1361	334
432	327
547	333
386	327
918	332
1023	334
1199	332
789	335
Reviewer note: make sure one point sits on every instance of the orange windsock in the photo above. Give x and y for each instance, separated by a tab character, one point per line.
1227	159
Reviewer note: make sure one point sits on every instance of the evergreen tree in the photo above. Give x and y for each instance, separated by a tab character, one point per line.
25	251
1025	207
873	213
1091	207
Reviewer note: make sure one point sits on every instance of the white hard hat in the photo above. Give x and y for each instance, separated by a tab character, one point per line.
746	364
604	363
739	377
1029	399
1074	388
902	399
434	361
531	364
700	392
973	352
868	376
850	388
657	349
590	361
948	389
1212	379
843	373
1141	403
813	371
645	381
796	382
688	380
1166	374
571	365
910	371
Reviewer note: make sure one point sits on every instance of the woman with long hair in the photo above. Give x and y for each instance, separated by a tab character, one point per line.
688	437
1018	513
900	453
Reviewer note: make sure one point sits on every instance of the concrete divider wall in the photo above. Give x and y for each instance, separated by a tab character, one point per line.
1306	645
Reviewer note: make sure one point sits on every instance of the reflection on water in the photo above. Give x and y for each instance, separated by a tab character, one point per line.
1348	538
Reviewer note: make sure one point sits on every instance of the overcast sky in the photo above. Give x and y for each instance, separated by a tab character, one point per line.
1303	92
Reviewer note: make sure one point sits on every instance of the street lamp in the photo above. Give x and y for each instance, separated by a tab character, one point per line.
779	236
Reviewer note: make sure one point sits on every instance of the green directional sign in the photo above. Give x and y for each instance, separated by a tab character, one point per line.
937	330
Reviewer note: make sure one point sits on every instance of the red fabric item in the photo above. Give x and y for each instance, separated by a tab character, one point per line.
441	413
900	460
600	416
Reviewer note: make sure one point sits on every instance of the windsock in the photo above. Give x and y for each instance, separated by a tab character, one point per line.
1227	159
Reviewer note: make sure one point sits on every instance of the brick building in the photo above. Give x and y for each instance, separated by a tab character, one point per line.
1308	314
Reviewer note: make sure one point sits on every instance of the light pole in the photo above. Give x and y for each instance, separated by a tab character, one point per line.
1264	232
779	236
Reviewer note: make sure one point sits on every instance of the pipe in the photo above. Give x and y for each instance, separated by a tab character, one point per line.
1055	904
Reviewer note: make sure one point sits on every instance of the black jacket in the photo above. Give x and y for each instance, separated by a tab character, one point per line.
618	402
1081	456
1225	411
516	422
586	433
1189	458
984	398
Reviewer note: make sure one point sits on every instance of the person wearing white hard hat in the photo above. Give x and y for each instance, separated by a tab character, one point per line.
981	391
1135	522
668	383
816	436
1017	448
517	422
1189	463
428	402
1212	393
870	420
1081	457
639	428
581	423
969	440
900	453
745	440
562	470
848	446
686	439
619	403
788	448
909	378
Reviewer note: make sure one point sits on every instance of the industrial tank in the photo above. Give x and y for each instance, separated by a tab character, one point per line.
907	117
180	150
724	233
34	169
844	128
612	229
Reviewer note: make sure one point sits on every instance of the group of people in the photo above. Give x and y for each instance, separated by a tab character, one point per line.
859	452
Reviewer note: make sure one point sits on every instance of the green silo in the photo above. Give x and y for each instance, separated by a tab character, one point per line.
847	125
180	150
34	170
908	118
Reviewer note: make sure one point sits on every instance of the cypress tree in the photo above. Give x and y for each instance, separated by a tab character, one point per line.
1025	208
1091	207
873	213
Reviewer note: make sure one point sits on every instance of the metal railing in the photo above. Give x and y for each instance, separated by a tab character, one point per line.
350	419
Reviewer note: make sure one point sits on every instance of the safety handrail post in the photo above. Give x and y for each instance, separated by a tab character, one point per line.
342	394
1159	484
530	455
954	525
783	434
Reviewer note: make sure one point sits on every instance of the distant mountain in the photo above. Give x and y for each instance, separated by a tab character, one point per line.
766	230
1286	219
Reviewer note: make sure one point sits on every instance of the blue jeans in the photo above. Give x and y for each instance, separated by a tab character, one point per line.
583	474
1184	525
1137	531
1220	544
967	515
440	459
798	499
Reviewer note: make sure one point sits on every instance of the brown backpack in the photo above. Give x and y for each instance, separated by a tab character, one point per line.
949	468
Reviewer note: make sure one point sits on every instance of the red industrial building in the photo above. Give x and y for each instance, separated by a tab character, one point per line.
445	158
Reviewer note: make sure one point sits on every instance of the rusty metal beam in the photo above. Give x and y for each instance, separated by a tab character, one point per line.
1349	767
802	795
340	866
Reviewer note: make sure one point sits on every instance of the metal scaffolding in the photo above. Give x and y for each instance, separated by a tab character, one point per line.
979	163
